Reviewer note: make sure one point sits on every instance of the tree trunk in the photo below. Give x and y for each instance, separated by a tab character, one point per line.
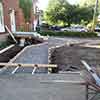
69	24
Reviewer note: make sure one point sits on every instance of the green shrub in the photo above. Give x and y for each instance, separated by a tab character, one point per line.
3	45
6	43
70	34
21	28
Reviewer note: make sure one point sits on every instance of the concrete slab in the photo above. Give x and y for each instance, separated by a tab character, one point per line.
28	87
34	54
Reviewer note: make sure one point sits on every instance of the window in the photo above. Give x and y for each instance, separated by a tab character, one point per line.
2	29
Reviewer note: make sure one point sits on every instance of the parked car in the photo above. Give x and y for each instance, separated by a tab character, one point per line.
55	28
97	29
74	29
78	29
65	29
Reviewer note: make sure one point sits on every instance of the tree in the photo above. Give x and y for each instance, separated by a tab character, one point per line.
96	5
85	14
58	11
88	2
26	6
62	11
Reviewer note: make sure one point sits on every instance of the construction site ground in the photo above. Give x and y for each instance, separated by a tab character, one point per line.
40	86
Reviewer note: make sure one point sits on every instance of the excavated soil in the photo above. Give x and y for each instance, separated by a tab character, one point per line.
68	58
9	54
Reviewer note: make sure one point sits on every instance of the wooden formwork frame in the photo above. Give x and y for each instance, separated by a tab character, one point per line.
16	65
34	66
29	65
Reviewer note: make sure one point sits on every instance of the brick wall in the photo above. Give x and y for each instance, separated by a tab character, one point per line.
20	21
7	4
19	16
13	4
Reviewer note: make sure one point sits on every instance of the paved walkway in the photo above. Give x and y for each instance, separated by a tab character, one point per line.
31	55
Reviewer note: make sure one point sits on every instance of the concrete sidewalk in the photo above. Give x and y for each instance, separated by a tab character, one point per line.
41	87
34	54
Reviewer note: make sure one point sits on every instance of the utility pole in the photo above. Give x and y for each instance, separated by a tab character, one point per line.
34	13
95	15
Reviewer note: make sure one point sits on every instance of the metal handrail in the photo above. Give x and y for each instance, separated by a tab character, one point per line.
92	72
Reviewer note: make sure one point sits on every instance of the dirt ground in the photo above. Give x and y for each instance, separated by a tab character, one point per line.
9	54
68	57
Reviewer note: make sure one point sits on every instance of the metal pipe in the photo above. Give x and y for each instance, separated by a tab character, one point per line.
14	71
92	72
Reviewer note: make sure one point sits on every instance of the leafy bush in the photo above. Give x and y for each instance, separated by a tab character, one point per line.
3	45
26	6
21	28
6	43
70	34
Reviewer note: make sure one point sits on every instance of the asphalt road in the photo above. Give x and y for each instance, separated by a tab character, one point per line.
56	41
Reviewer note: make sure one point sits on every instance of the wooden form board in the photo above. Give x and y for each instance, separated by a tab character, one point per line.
29	65
11	34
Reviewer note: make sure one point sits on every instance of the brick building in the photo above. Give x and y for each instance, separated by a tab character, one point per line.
12	16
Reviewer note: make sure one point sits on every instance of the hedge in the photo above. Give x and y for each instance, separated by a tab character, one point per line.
70	34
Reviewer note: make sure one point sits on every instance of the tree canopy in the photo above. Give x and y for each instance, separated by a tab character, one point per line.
88	2
60	11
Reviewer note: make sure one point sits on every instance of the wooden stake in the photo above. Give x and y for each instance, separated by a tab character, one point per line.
11	34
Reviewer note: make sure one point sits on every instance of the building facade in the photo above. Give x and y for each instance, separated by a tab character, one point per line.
12	16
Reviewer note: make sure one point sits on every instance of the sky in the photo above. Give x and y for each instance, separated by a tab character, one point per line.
43	3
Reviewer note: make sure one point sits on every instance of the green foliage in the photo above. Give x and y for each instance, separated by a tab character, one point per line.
4	44
83	13
61	11
55	11
26	6
88	2
21	28
70	34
